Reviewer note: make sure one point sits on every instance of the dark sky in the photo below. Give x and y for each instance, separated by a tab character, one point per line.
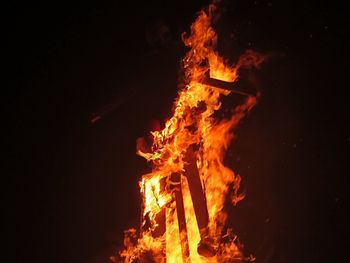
71	187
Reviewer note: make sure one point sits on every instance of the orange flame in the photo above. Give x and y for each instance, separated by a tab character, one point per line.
192	123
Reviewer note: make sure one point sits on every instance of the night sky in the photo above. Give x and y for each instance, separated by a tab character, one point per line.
71	187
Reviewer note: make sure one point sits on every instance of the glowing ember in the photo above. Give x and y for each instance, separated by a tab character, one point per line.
183	215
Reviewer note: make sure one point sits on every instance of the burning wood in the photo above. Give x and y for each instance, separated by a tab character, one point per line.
183	197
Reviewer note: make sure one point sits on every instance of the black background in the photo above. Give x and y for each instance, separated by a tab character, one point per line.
71	188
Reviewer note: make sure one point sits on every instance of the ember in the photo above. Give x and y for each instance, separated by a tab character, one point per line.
183	197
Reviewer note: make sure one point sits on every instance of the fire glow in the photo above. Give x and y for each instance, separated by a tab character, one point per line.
183	197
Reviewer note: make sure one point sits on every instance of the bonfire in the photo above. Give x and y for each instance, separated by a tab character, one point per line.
183	217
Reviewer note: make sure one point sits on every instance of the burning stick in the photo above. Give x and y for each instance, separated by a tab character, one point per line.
205	246
181	219
233	87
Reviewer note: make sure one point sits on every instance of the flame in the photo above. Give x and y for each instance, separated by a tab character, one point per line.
192	123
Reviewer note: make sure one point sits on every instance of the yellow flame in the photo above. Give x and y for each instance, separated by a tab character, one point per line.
192	122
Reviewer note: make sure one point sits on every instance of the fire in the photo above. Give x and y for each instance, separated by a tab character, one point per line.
183	217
